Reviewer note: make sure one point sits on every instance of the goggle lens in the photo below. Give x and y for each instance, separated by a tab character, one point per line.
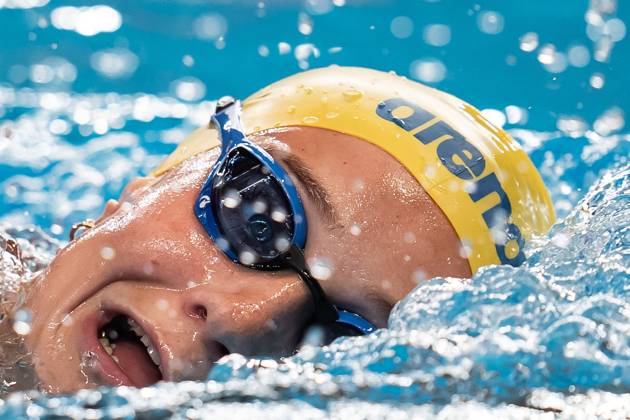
253	213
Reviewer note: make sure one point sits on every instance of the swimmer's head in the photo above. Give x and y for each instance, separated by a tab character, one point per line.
480	178
400	183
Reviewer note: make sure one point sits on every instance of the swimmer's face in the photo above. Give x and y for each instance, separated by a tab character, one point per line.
150	261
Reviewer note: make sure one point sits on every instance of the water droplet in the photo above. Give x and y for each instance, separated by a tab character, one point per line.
418	275
310	120
496	117
546	54
305	24
610	121
162	304
114	63
210	27
579	56
314	336
56	229
22	321
188	60
616	29
284	48
401	27
355	230
597	80
279	215
222	243
465	249
108	253
188	88
437	35
330	115
86	21
291	109
321	268
516	115
318	7
231	199
259	206
352	95
529	41
263	51
247	257
490	22
429	70
358	185
282	244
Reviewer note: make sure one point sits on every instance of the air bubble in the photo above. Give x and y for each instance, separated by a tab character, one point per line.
355	230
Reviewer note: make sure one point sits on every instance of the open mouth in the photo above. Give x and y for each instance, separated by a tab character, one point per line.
131	348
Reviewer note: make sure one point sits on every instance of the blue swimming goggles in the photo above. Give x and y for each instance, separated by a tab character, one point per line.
251	209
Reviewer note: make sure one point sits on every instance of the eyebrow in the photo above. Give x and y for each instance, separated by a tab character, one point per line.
312	185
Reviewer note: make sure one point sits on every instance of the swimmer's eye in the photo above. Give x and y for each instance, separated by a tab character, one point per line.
252	211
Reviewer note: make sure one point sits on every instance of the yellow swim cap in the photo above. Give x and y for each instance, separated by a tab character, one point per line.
483	181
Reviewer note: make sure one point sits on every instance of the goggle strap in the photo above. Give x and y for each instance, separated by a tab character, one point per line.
325	312
226	119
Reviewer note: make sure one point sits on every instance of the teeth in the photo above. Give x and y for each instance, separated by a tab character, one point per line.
144	338
106	345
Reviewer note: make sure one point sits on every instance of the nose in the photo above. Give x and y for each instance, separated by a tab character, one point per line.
252	313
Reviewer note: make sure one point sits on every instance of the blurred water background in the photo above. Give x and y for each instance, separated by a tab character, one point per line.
93	93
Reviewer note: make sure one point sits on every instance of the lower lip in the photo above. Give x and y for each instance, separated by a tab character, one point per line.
101	366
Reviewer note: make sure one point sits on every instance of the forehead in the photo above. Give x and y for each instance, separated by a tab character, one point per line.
350	168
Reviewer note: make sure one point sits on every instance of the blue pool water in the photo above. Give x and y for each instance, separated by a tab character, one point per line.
82	114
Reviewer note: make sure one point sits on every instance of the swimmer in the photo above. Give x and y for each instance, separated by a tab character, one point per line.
321	200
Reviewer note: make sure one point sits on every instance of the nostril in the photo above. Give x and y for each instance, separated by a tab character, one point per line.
215	351
198	311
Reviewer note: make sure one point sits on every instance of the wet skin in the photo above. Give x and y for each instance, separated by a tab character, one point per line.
149	259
